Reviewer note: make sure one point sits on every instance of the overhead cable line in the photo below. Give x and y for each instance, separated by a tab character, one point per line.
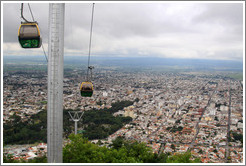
31	12
89	54
33	21
86	88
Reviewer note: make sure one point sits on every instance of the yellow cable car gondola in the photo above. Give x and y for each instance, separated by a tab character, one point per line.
29	35
86	89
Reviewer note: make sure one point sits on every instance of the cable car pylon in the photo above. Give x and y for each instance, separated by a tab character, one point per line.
55	83
76	116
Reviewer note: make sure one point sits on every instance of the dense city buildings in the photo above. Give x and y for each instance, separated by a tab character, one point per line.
172	112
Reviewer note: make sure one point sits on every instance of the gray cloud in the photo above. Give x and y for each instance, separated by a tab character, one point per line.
227	13
184	30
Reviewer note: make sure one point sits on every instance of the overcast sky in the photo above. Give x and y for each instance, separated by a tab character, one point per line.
176	30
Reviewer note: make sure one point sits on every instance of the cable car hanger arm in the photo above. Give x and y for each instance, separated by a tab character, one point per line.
22	14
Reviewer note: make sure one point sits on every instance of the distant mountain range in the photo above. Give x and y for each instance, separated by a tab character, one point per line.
138	62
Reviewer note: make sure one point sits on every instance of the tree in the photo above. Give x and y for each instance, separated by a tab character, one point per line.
200	151
182	158
99	124
16	118
238	136
177	121
117	143
9	159
80	150
216	118
173	147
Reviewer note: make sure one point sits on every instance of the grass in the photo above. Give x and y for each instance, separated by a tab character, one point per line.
237	76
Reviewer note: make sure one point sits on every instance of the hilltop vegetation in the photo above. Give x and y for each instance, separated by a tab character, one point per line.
80	150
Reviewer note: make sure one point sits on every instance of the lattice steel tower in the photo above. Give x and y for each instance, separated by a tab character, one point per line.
76	116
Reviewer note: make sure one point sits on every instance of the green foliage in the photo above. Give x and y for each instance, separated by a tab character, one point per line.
216	118
117	143
42	159
16	118
238	75
19	132
99	124
182	158
100	103
43	102
80	150
137	100
119	106
200	151
175	129
173	146
237	137
9	159
177	121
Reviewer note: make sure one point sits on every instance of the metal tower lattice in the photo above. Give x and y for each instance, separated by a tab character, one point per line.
76	116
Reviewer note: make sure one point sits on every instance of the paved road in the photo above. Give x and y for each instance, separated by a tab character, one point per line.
197	125
180	108
199	144
227	147
241	85
227	153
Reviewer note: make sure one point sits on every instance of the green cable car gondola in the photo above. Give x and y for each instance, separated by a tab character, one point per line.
86	89
29	35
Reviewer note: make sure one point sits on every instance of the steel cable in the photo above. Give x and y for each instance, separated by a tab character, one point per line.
90	42
40	32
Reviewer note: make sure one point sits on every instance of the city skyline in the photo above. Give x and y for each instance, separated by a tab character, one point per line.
185	110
